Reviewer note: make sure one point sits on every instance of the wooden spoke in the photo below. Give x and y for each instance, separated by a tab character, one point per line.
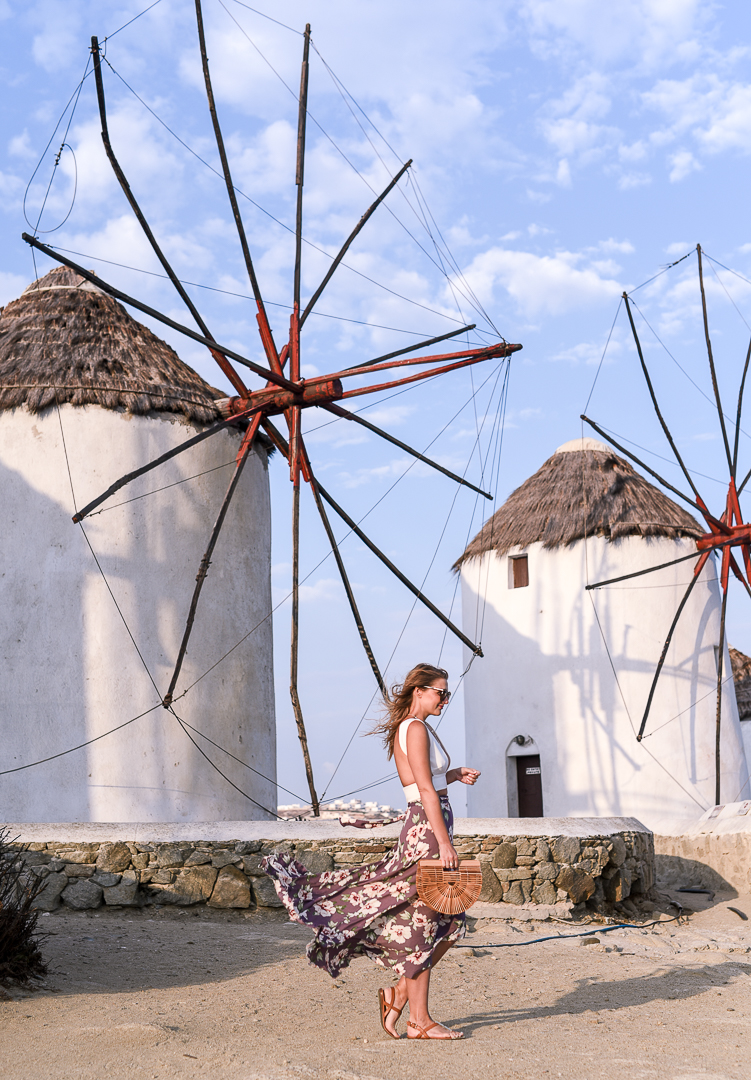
263	322
718	712
715	386
347	415
414	348
640	573
203	568
486	352
663	425
347	243
224	364
701	508
302	119
293	692
697	570
129	477
397	573
270	376
738	414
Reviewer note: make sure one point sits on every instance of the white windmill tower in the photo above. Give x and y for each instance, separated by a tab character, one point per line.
553	710
88	393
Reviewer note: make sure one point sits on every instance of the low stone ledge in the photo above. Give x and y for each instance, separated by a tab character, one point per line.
538	862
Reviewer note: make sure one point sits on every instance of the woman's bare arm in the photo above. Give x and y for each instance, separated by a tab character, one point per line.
467	776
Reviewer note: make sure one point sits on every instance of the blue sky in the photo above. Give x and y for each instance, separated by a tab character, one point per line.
567	150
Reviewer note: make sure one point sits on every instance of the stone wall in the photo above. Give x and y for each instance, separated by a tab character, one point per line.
600	869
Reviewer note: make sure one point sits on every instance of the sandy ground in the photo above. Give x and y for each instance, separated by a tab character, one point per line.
166	993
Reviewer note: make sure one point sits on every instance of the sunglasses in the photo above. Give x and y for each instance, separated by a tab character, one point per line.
445	694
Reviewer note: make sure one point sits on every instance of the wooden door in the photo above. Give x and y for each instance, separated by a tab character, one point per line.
529	785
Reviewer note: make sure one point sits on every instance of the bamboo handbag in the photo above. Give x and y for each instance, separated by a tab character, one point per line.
449	891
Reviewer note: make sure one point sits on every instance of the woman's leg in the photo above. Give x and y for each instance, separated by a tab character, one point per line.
416	992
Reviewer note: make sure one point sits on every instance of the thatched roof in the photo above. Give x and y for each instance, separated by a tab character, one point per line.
742	679
65	340
577	493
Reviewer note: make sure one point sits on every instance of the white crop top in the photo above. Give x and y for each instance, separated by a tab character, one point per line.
439	759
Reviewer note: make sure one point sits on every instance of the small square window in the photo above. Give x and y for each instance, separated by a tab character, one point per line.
518	572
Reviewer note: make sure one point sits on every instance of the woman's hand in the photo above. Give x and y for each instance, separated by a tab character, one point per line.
463	774
449	858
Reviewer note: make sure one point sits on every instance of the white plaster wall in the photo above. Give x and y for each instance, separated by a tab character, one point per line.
546	674
70	670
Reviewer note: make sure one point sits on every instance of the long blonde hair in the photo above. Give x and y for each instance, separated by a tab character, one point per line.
399	702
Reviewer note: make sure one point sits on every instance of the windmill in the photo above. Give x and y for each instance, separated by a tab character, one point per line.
286	393
725	530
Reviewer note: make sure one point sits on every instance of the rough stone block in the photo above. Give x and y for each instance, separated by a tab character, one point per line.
520	873
252	865
544	893
577	885
543	851
113	858
618	887
140	861
265	893
547	871
565	849
198	858
83	854
125	893
619	852
163	876
525	860
191	886
222	858
81	894
56	865
232	889
317	862
247	847
49	898
36	858
504	857
524	846
79	870
515	894
172	854
106	880
491	893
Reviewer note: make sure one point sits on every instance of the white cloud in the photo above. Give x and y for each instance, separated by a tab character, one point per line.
633	179
714	111
551	284
563	173
683	163
654	31
20	146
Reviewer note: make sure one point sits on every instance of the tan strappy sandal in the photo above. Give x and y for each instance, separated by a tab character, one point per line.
388	1007
451	1037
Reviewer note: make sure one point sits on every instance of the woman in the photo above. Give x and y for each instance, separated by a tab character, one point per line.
374	909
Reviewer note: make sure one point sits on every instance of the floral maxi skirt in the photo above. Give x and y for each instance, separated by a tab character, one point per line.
372	910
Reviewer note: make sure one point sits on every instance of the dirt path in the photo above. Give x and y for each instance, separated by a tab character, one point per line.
163	993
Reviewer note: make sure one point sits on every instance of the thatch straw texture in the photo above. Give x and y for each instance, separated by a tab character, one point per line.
742	679
578	494
65	341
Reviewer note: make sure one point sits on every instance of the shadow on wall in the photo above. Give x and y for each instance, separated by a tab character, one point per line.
36	691
676	872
